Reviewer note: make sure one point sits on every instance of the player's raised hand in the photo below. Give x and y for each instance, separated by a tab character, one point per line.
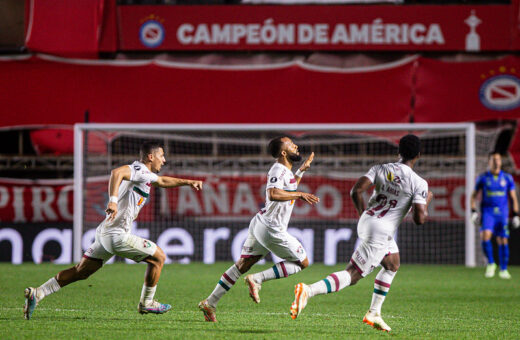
197	185
111	210
309	198
307	164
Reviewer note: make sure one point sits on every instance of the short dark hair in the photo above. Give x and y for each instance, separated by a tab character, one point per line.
148	148
409	146
493	153
275	146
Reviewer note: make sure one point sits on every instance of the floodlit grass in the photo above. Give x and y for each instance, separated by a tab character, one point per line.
425	302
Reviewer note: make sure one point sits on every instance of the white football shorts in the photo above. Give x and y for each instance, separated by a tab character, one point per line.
262	239
122	244
377	241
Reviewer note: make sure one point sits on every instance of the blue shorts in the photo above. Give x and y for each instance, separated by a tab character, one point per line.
497	224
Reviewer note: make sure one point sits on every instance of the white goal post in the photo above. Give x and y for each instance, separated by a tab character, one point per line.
84	131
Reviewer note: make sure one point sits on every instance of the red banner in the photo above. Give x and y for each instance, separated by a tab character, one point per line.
34	201
415	28
71	28
223	197
57	91
472	91
245	196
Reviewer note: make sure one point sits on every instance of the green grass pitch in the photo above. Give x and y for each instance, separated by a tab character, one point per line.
425	302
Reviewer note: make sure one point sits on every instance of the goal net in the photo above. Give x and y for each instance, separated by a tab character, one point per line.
233	162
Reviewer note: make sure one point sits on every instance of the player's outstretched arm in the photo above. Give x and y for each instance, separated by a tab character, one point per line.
172	182
116	177
356	193
305	166
276	194
420	211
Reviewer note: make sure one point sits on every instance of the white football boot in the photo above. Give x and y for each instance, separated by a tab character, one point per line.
376	321
504	274
490	270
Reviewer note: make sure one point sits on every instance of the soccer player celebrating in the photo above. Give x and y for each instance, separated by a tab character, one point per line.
496	186
128	189
268	229
397	189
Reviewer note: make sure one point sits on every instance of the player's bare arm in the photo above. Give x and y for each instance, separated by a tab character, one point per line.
276	194
356	193
514	203
116	177
305	166
172	182
420	211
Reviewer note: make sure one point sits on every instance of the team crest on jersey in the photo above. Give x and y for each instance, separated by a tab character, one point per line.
503	183
146	244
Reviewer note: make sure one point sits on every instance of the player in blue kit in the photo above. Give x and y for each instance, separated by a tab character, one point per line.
497	188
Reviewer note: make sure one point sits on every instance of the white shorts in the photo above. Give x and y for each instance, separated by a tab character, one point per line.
263	239
122	244
377	241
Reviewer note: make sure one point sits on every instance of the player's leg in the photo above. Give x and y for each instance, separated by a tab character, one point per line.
92	260
502	234
359	266
226	282
139	249
486	232
252	252
285	246
382	284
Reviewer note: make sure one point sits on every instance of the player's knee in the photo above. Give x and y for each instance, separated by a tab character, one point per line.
393	267
160	256
243	265
304	264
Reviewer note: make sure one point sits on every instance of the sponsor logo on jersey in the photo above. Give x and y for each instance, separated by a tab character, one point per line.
137	167
273	180
424	194
151	33
393	178
141	200
500	93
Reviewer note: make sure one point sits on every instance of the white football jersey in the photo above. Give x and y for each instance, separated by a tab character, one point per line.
133	195
397	187
278	213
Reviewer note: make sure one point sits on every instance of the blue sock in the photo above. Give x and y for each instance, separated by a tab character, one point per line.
503	255
487	247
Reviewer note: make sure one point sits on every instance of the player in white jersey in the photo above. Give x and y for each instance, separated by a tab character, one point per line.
129	189
397	189
268	229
